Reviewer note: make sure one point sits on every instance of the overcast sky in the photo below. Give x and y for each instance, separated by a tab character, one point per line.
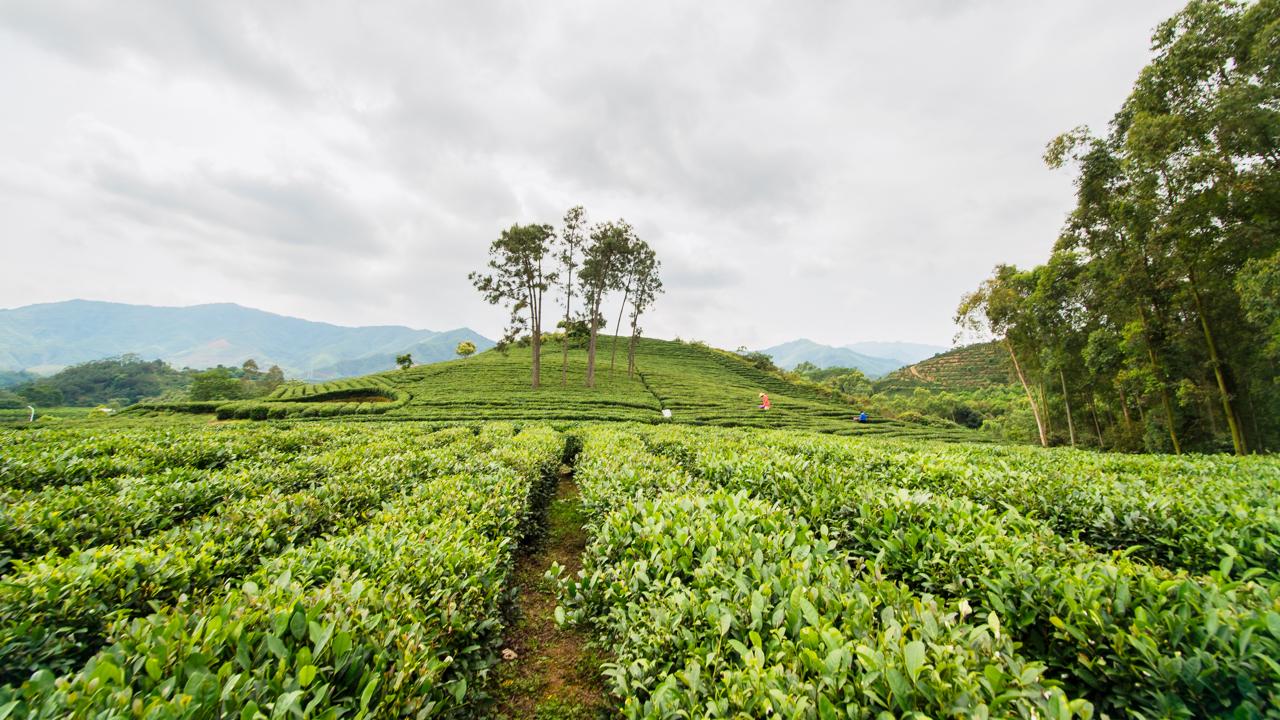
837	171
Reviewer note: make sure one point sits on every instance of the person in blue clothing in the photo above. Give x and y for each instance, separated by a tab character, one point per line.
862	416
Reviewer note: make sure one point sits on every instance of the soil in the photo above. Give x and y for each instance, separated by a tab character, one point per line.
550	672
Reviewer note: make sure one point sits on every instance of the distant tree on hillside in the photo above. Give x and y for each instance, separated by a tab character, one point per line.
272	379
128	378
9	401
405	361
760	361
465	349
518	280
601	273
571	240
216	384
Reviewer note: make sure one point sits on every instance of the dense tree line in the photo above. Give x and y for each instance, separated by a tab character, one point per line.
125	380
597	260
1155	323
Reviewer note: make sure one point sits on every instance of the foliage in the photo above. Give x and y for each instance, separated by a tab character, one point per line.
1147	318
517	279
215	384
466	349
404	361
397	611
693	537
127	377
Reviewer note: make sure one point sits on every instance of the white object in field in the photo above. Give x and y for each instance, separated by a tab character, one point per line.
666	413
33	414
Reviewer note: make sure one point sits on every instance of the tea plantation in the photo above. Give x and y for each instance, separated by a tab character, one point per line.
698	384
363	551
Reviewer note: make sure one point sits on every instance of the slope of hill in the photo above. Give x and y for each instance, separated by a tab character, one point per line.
905	352
965	368
790	354
700	385
65	333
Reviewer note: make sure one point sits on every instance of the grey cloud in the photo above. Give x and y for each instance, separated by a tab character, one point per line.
213	37
803	169
306	212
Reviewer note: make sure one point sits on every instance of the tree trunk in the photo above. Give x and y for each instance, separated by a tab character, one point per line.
1035	412
535	340
1159	373
631	349
568	302
1228	410
617	326
591	344
1071	426
1097	426
1044	408
1124	410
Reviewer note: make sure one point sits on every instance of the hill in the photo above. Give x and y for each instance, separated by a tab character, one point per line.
54	335
966	368
699	384
790	354
905	352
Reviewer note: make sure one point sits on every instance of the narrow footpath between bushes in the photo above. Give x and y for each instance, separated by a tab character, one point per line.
549	672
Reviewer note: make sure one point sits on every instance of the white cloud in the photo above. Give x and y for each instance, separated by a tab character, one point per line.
835	171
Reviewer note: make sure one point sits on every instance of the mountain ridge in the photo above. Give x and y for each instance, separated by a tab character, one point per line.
49	335
790	354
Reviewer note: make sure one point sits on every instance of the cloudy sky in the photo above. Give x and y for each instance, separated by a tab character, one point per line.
837	171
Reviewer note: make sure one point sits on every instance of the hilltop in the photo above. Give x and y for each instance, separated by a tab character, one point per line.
53	335
971	367
790	354
700	385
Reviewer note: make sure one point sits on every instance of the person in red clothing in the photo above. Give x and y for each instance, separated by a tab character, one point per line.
764	402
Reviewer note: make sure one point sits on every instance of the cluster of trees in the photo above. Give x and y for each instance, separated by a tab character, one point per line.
1156	321
231	383
848	381
115	381
526	261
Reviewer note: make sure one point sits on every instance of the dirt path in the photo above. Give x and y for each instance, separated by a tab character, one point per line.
553	674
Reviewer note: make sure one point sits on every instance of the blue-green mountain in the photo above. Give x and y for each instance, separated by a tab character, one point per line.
873	359
49	336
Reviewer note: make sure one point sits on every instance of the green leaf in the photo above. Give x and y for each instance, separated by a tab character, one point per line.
306	675
298	622
367	696
460	690
1273	623
276	646
559	615
914	656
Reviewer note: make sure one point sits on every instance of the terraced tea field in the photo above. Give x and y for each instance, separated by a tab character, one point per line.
699	385
334	569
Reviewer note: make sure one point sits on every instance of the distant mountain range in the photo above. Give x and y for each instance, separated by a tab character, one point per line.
46	337
874	359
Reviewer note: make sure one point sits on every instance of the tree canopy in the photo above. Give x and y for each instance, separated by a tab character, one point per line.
1148	316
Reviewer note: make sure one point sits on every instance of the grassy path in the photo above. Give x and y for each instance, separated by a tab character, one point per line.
550	673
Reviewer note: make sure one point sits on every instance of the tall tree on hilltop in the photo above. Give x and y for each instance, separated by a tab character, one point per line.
646	288
630	266
518	280
609	245
571	240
